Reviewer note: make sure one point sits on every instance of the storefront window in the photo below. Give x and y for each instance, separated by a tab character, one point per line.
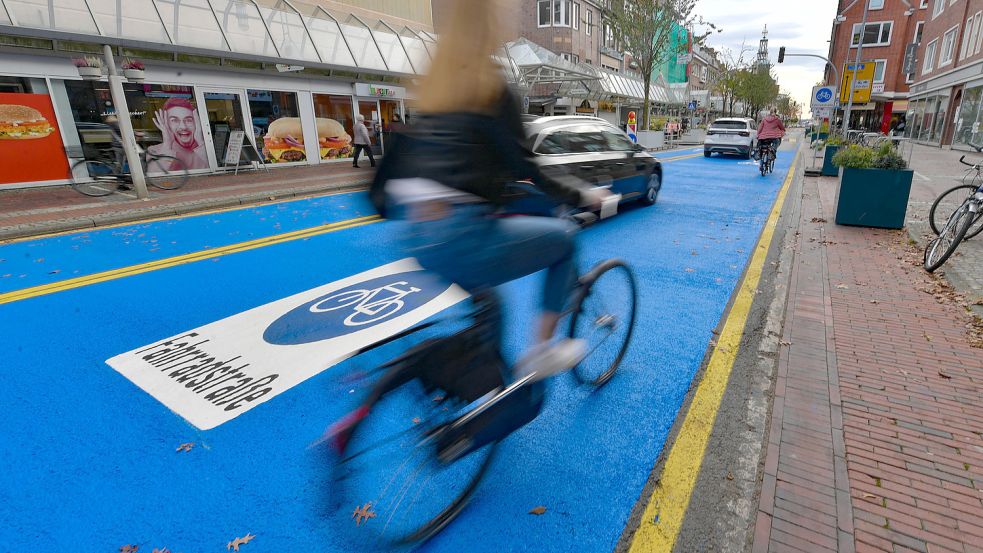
968	122
941	110
928	121
277	124
335	123
31	148
164	118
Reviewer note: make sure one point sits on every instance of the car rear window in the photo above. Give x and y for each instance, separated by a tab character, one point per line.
730	125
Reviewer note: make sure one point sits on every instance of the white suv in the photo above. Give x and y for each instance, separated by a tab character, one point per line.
732	135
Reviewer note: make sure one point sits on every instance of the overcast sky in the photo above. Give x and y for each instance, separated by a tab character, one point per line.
802	26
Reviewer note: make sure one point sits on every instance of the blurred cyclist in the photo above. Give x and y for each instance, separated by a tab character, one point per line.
447	175
771	131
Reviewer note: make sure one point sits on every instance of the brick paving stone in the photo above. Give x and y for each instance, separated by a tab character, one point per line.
863	410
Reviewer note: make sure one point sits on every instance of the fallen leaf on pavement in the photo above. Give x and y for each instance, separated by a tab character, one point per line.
927	337
165	550
818	220
234	544
690	270
945	376
730	475
784	343
185	447
363	513
538	510
416	420
869	496
842	287
129	549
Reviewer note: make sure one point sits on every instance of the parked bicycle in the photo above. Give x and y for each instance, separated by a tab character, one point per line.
104	175
417	448
964	221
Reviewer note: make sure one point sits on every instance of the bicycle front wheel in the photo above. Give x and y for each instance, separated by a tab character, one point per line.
165	172
94	178
947	204
391	487
604	316
939	250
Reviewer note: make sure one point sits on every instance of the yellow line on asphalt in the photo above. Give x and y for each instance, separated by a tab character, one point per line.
680	158
667	506
132	270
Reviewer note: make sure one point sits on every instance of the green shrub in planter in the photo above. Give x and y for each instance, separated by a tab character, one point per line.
874	187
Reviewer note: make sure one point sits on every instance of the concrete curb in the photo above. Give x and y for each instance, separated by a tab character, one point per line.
186	208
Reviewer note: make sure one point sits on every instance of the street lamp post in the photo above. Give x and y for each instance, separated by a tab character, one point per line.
856	67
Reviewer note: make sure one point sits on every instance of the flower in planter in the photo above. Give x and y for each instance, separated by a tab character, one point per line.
88	61
133	64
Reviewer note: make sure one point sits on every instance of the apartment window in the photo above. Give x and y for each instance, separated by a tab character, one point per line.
571	57
545	13
930	57
919	27
590	21
880	68
948	46
608	36
977	34
939	6
875	34
967	47
876	4
561	13
924	4
576	15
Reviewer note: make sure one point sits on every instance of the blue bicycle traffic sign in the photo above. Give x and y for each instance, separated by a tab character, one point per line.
824	95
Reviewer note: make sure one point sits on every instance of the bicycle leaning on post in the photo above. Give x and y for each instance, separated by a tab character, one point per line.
106	174
961	209
411	456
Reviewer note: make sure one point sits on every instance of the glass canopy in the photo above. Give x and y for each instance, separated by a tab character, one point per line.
269	28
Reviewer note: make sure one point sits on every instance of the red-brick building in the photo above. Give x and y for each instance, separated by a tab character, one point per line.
891	26
945	100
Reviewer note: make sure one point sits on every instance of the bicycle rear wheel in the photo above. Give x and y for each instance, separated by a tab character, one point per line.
604	316
391	486
941	248
165	172
94	178
947	204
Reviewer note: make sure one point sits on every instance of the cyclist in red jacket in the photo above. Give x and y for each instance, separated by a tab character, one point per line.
771	130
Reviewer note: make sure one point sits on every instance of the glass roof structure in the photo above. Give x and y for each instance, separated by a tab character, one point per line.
274	29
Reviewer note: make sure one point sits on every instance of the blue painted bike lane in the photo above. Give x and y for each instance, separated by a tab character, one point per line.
84	438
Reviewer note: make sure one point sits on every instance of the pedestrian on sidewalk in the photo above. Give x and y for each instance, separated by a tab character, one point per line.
362	140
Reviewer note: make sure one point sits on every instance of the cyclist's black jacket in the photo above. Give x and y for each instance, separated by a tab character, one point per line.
475	153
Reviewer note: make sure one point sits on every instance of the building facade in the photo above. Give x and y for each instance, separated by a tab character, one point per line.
216	72
947	95
892	25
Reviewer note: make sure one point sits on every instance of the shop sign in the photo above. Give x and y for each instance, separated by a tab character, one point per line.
379	91
877	88
29	131
211	374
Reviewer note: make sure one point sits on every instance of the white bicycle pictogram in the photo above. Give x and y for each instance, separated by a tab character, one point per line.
367	309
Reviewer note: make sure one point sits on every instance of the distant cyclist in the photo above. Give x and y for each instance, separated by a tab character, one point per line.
447	175
771	131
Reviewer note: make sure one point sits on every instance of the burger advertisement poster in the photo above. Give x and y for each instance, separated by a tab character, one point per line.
284	140
31	149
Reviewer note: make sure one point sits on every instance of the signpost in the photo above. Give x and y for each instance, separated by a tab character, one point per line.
862	86
823	97
632	127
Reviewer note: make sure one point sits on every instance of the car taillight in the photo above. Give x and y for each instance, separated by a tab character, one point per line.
745	133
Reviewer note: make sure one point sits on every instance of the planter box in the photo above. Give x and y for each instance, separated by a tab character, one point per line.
651	139
873	197
830	170
135	75
90	73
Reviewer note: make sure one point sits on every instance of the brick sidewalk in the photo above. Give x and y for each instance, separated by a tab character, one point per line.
875	441
28	212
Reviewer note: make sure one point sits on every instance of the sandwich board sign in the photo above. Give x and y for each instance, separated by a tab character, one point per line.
233	152
632	127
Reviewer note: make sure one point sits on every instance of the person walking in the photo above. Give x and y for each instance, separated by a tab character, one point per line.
362	140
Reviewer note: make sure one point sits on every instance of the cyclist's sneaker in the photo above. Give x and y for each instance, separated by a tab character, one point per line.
548	359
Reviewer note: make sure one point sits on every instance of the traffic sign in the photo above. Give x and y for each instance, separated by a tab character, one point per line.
861	88
632	127
823	97
692	105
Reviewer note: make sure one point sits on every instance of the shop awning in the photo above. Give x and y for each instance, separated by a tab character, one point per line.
292	32
538	66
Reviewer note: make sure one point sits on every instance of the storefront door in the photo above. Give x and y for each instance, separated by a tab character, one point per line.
223	111
391	115
370	110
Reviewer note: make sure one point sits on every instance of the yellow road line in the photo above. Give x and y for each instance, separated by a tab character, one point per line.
87	280
680	158
666	508
189	214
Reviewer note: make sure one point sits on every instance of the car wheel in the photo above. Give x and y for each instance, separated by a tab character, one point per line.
706	153
747	154
652	190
